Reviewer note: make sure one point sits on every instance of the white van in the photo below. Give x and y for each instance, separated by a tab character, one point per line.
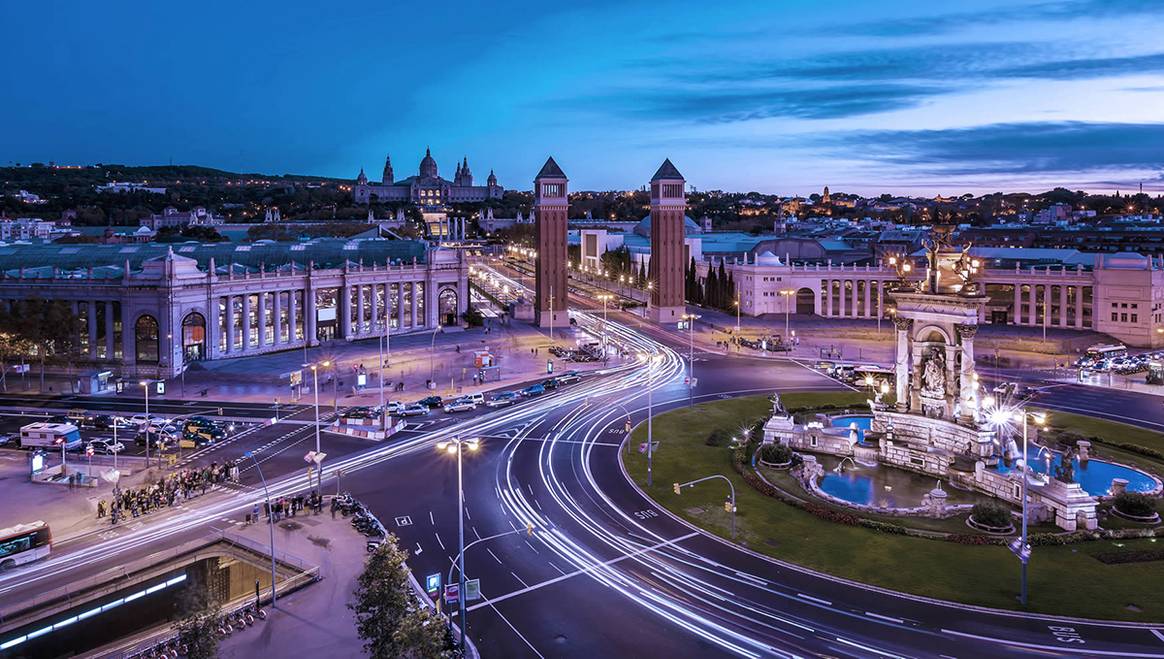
478	399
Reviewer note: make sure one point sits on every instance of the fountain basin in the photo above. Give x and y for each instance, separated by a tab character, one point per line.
1094	476
862	423
883	486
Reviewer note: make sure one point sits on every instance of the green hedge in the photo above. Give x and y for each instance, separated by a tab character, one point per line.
1137	556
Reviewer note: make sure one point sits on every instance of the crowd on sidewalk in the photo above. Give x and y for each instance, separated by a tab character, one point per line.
169	491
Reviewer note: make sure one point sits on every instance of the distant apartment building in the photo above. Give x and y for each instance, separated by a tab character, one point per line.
25	228
123	187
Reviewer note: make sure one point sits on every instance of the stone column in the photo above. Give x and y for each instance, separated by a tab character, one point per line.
109	330
829	299
277	318
1018	304
856	300
230	323
1046	317
1062	306
967	394
212	334
91	321
292	309
1032	309
869	298
262	318
359	324
346	312
413	309
901	365
375	308
128	348
1079	307
246	324
309	315
400	305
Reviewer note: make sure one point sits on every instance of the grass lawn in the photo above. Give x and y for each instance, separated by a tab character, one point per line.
1063	580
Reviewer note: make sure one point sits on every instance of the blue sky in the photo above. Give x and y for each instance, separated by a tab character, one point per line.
783	97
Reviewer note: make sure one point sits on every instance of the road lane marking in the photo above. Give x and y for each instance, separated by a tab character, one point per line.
519	578
430	519
866	648
885	618
814	599
1055	648
438	537
1157	633
494	556
419	550
585	570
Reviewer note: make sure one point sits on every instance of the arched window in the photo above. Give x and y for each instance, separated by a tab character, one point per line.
145	334
447	307
194	337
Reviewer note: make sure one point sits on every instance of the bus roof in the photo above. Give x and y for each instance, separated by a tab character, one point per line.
1108	346
23	528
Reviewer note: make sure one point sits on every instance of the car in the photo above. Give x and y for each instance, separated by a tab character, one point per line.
199	422
550	384
10	440
504	398
569	378
58	418
156	440
139	420
460	405
106	446
359	412
477	398
533	390
98	422
122	423
415	409
430	401
76	415
393	407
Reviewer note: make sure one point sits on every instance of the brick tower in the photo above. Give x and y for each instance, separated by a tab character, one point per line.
550	206
668	205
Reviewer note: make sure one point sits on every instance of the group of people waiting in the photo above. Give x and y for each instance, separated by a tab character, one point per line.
169	491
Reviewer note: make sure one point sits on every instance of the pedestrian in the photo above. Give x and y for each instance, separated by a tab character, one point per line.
333	506
255	512
100	509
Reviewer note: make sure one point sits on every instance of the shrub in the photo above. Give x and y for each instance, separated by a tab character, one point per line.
1137	556
884	527
1135	504
718	437
991	514
969	539
775	453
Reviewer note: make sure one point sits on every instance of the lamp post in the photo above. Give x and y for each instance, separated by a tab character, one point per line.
458	446
145	387
385	348
270	521
787	293
691	318
1001	418
315	388
650	413
604	297
737	303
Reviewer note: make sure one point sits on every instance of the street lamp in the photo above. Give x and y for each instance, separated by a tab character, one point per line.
270	521
605	297
145	387
650	359
458	446
787	293
1000	418
691	318
385	347
315	389
737	303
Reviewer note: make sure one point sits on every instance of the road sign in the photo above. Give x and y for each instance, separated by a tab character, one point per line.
432	583
452	593
549	367
161	387
472	590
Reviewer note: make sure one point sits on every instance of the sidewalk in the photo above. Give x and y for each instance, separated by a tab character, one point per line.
313	621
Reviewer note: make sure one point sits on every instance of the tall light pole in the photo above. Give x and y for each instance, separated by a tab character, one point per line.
145	387
1001	418
691	318
270	521
737	303
650	413
787	293
604	297
458	446
385	348
315	388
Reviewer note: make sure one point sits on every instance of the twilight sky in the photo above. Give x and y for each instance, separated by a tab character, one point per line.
784	97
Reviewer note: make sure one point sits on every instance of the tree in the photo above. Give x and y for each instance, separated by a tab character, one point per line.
197	625
46	328
389	619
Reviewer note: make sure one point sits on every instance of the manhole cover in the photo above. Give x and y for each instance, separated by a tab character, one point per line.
291	526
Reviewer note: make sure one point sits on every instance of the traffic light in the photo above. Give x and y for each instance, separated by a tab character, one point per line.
727	506
529	529
677	488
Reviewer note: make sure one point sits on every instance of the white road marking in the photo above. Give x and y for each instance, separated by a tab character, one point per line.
814	599
1157	633
519	578
1055	648
494	556
865	647
430	519
885	618
419	550
438	537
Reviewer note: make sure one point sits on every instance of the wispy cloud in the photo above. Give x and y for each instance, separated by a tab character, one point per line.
1015	12
1012	148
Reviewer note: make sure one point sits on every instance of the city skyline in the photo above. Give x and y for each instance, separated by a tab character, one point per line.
866	99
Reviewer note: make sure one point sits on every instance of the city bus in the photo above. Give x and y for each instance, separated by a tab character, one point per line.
24	543
1102	353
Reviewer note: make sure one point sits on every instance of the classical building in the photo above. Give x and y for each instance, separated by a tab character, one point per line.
667	265
550	210
1118	294
150	310
172	217
427	188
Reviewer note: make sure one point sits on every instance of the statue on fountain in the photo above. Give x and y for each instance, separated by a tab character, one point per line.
965	268
934	374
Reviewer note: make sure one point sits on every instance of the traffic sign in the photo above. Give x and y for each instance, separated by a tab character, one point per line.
472	590
432	583
161	387
452	593
549	367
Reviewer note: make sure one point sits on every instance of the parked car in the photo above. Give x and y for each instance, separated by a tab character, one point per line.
533	390
415	409
569	378
477	398
550	384
393	407
359	412
98	422
460	405
106	446
430	401
504	398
